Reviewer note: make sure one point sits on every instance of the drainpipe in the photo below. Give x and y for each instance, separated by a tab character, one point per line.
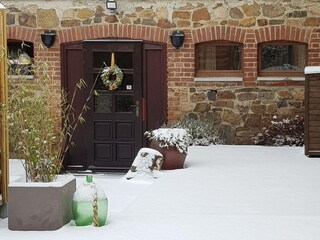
4	146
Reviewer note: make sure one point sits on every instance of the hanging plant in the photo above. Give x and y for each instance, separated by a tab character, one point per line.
112	77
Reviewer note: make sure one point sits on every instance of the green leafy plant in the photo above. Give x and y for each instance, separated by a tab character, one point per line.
41	121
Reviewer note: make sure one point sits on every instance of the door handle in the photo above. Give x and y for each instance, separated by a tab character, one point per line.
137	106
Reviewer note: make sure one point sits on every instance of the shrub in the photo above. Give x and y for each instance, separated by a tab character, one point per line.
170	137
282	131
202	131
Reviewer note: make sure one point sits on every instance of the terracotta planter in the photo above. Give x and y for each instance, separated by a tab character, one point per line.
40	206
172	158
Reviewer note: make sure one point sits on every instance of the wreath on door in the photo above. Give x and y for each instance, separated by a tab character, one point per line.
112	75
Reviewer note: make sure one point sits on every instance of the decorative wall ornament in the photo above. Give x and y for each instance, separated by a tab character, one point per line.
112	76
177	38
48	37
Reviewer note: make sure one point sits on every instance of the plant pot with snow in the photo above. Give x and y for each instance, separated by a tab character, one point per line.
172	143
40	206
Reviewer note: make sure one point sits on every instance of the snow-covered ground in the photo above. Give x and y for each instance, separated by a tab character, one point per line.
224	192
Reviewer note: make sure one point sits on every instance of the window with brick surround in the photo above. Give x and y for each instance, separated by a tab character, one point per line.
219	58
20	57
280	58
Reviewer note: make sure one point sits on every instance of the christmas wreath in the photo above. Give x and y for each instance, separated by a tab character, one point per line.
112	77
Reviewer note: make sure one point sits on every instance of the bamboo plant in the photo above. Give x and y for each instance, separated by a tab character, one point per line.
42	121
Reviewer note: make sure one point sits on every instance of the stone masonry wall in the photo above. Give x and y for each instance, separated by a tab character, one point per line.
239	108
240	113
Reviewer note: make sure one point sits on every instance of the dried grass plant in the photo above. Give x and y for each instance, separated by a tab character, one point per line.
42	120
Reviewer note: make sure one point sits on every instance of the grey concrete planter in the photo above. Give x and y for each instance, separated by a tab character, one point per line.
40	206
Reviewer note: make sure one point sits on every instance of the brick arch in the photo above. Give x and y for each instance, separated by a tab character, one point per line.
218	33
288	33
23	33
154	34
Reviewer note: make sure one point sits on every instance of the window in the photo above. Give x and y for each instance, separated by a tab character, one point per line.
282	59
20	57
218	58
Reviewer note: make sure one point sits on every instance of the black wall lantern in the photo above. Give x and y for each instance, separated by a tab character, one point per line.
111	5
177	38
48	37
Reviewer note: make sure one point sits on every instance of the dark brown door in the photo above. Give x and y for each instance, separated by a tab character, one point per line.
114	123
72	72
155	84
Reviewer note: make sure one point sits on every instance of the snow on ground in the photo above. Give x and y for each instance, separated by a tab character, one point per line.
224	192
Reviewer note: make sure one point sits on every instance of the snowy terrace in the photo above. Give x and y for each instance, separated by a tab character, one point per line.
224	192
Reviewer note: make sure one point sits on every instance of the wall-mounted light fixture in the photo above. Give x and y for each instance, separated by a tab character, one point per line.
111	5
48	37
177	38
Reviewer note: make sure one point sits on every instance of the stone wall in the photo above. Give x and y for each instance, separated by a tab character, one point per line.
241	112
164	13
239	108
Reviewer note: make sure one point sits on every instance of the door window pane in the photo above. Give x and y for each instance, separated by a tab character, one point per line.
127	82
124	103
99	84
103	103
122	59
99	58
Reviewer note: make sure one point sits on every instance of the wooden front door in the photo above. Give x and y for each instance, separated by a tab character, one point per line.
114	122
113	132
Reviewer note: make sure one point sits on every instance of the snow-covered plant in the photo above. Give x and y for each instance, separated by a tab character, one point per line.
170	137
202	132
282	131
41	124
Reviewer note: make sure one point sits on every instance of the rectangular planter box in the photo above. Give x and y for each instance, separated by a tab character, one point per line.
312	111
40	206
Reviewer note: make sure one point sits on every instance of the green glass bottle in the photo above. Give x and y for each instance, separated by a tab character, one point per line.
90	204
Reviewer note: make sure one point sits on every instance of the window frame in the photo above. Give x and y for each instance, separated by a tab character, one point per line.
218	73
16	46
279	73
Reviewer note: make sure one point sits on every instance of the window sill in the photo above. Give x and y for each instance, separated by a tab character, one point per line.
17	77
274	79
218	79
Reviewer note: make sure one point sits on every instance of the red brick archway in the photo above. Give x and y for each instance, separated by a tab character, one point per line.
114	31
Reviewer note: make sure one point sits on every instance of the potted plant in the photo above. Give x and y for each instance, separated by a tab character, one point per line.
41	124
172	143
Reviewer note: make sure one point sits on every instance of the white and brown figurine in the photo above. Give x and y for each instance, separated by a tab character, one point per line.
147	163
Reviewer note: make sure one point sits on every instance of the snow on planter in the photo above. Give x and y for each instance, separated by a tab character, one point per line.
170	137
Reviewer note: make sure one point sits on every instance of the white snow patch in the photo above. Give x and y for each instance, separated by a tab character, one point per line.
87	192
224	192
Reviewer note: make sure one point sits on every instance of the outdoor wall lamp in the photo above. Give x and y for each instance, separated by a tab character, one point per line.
177	38
48	37
111	5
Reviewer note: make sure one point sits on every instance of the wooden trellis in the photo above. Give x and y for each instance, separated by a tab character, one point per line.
4	149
